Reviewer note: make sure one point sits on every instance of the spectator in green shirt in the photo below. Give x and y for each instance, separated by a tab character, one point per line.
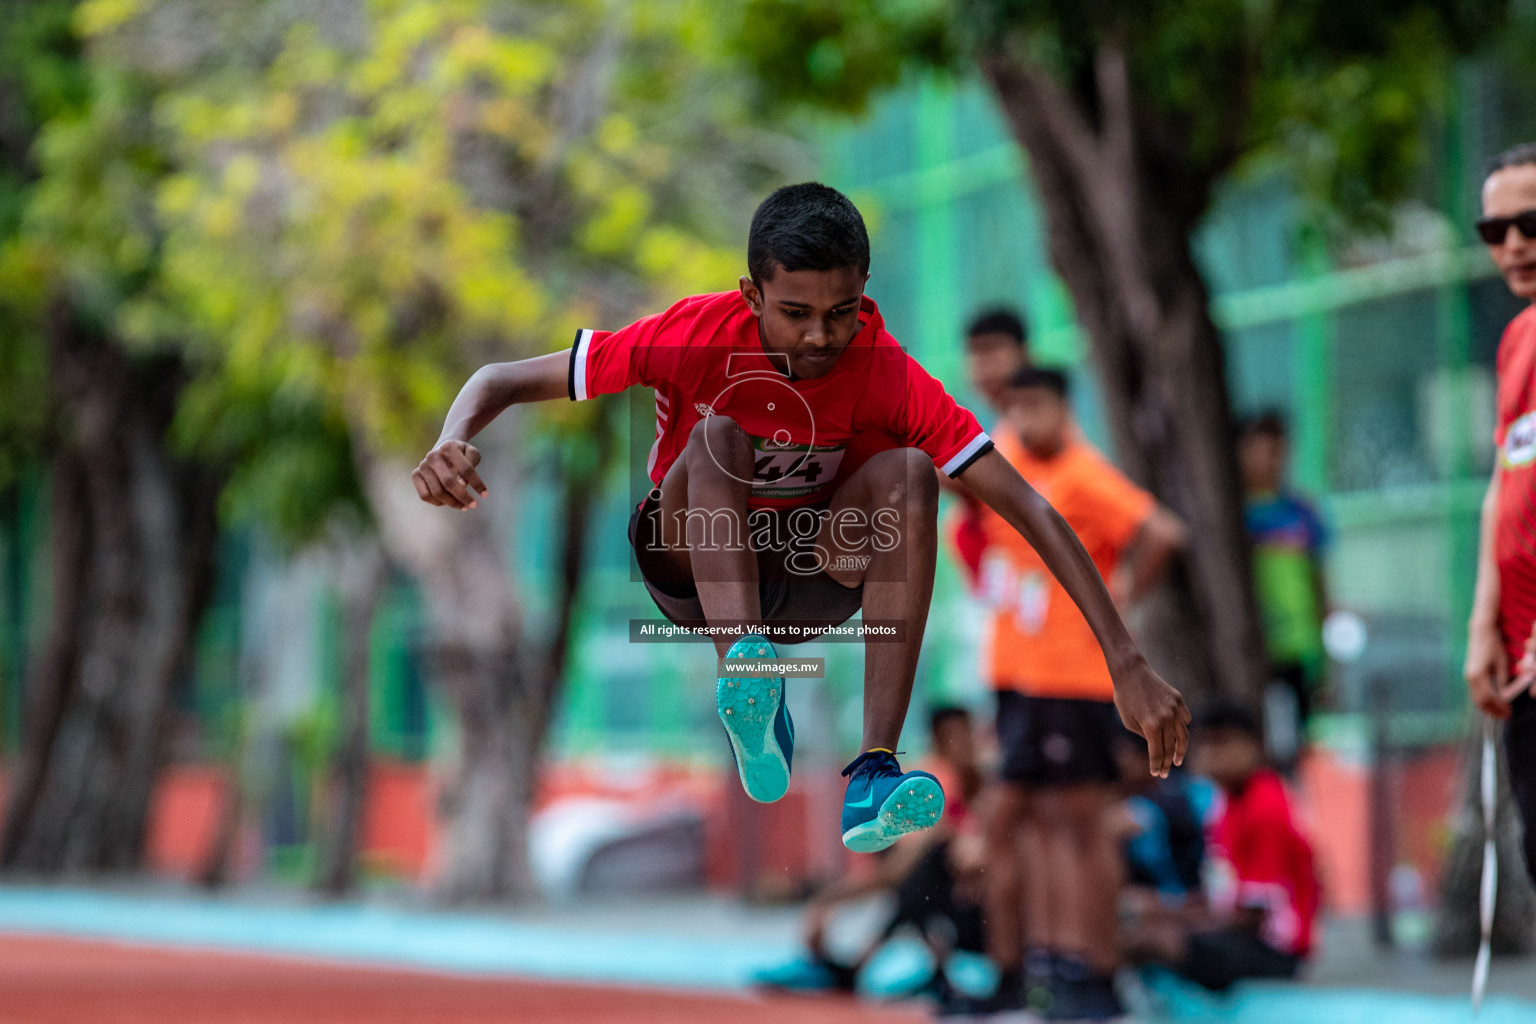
1288	539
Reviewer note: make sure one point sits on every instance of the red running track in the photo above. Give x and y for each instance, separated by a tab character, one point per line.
67	981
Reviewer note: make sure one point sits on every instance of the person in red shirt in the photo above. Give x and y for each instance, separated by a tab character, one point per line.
1504	604
792	485
1264	895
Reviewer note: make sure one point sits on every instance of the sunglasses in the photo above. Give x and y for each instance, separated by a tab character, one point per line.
1493	230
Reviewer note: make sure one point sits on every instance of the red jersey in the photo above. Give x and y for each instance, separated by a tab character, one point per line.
704	356
1271	863
1515	530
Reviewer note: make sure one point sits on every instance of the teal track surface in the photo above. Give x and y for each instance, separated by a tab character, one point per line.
1271	1003
590	950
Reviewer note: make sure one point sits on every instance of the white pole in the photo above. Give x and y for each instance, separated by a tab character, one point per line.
1490	883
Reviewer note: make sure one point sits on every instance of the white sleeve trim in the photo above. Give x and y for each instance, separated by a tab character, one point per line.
964	455
579	364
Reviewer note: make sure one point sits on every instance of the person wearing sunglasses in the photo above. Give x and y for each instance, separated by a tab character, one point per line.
1498	673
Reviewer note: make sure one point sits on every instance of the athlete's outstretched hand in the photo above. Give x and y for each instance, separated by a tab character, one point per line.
447	476
1153	710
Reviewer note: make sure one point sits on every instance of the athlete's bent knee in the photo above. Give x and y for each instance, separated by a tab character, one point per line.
907	477
719	442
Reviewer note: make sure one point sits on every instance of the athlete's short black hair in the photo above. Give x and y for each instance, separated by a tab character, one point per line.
944	712
809	226
997	321
1231	715
1040	377
1515	156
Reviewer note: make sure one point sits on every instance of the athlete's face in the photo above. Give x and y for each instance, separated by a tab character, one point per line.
809	316
1506	193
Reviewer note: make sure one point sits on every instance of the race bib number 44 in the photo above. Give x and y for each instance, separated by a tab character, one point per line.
792	470
1520	442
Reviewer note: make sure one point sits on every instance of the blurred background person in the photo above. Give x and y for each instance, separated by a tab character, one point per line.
1051	859
1264	894
1504	604
1163	824
924	874
1289	583
996	348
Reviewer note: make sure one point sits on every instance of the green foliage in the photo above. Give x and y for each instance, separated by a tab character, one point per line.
24	407
1338	93
365	220
42	78
289	455
334	211
836	55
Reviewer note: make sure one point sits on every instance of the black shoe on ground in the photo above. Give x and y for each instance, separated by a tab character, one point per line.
1007	998
1039	980
1090	998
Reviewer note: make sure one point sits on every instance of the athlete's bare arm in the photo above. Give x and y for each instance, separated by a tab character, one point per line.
1147	705
447	475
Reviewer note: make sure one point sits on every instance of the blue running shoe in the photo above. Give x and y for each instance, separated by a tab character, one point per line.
757	721
883	804
808	973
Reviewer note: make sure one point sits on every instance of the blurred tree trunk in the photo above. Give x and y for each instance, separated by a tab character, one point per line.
1120	211
1458	924
361	575
503	687
134	533
51	682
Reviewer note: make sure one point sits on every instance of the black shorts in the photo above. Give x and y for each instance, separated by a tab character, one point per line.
1056	741
926	900
815	602
1294	677
1217	959
1520	752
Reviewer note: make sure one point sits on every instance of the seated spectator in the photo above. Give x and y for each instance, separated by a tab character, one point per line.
1264	901
927	873
1163	823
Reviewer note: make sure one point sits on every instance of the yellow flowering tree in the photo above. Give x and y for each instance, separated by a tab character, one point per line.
354	205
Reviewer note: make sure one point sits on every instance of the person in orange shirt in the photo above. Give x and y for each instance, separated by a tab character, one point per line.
1056	720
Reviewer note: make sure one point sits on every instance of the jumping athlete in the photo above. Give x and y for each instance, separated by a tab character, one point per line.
793	485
